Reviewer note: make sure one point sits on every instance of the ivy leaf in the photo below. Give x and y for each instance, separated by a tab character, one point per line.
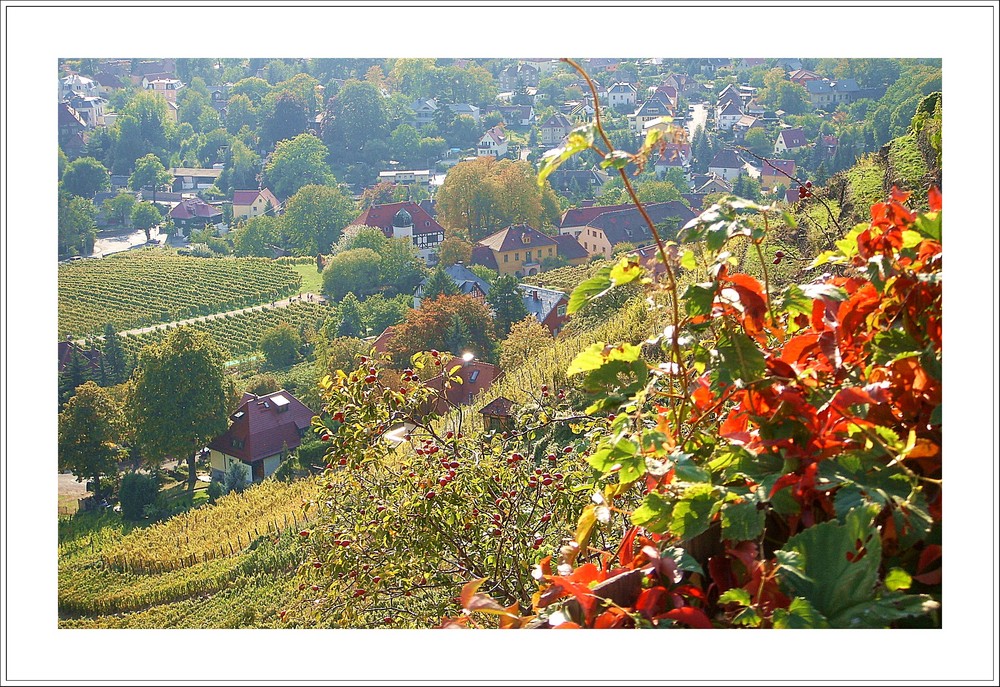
589	289
742	521
693	513
581	138
739	360
878	613
653	513
736	595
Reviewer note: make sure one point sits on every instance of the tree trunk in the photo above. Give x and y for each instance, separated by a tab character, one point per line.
192	477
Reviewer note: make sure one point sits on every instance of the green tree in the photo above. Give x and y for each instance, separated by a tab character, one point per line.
361	236
295	163
287	119
280	345
657	191
240	112
350	316
379	312
400	267
748	188
254	88
137	491
114	356
508	307
358	117
90	427
454	249
77	228
119	208
149	172
439	284
315	216
354	270
180	397
85	177
243	165
255	235
759	141
145	216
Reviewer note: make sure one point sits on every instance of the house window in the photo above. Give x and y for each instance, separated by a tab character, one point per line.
505	256
517	256
561	310
550	251
474	376
237	443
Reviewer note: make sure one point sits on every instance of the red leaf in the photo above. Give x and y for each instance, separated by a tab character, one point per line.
934	199
784	481
652	602
927	557
625	550
612	618
692	617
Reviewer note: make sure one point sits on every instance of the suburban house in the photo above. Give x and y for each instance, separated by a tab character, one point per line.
406	177
467	282
89	358
803	76
498	415
668	93
194	178
108	83
405	219
673	156
774	173
744	124
555	129
748	62
548	306
194	213
712	183
167	88
262	431
629	226
423	112
728	114
465	109
493	143
790	139
570	249
829	145
517	115
621	96
827	94
71	126
544	65
575	220
74	84
518	76
476	378
726	164
89	108
654	108
247	204
579	182
517	250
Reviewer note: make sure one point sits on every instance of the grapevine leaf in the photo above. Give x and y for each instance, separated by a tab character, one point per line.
616	159
742	521
596	355
878	613
897	579
693	513
653	513
683	560
739	359
929	225
581	138
589	289
800	615
698	299
625	271
736	595
687	260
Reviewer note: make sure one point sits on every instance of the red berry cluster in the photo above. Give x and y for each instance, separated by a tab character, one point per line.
778	255
806	191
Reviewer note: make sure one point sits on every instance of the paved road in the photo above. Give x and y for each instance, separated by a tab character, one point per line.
698	118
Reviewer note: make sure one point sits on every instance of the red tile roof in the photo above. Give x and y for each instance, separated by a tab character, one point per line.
498	407
516	237
381	216
482	255
476	377
778	168
569	247
382	341
249	197
793	138
260	429
190	208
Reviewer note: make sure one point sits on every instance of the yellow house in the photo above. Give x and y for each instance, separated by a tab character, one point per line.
517	250
247	204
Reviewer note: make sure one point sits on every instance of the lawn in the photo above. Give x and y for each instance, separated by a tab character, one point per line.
312	281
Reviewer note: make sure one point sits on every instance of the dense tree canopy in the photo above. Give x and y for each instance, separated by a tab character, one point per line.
485	195
76	223
90	427
355	270
314	218
508	307
434	324
295	163
85	177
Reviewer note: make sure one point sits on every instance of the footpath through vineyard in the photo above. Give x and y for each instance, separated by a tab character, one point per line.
298	298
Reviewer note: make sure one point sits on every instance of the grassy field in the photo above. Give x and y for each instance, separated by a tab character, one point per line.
312	281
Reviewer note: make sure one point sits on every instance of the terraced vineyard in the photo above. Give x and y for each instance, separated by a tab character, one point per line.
227	565
565	278
239	333
140	288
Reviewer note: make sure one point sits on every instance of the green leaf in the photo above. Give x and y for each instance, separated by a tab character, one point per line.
687	470
616	159
800	615
698	299
897	579
653	513
625	270
816	291
683	560
736	595
789	219
848	246
688	261
693	513
589	289
834	566
894	344
596	355
581	138
742	522
929	225
739	359
878	613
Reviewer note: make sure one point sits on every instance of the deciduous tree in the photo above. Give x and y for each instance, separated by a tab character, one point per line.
119	208
149	172
526	339
295	163
85	177
90	426
180	397
280	345
428	328
145	216
315	216
354	270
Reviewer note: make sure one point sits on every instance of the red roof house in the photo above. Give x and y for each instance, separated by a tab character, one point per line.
476	378
405	220
261	433
194	212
